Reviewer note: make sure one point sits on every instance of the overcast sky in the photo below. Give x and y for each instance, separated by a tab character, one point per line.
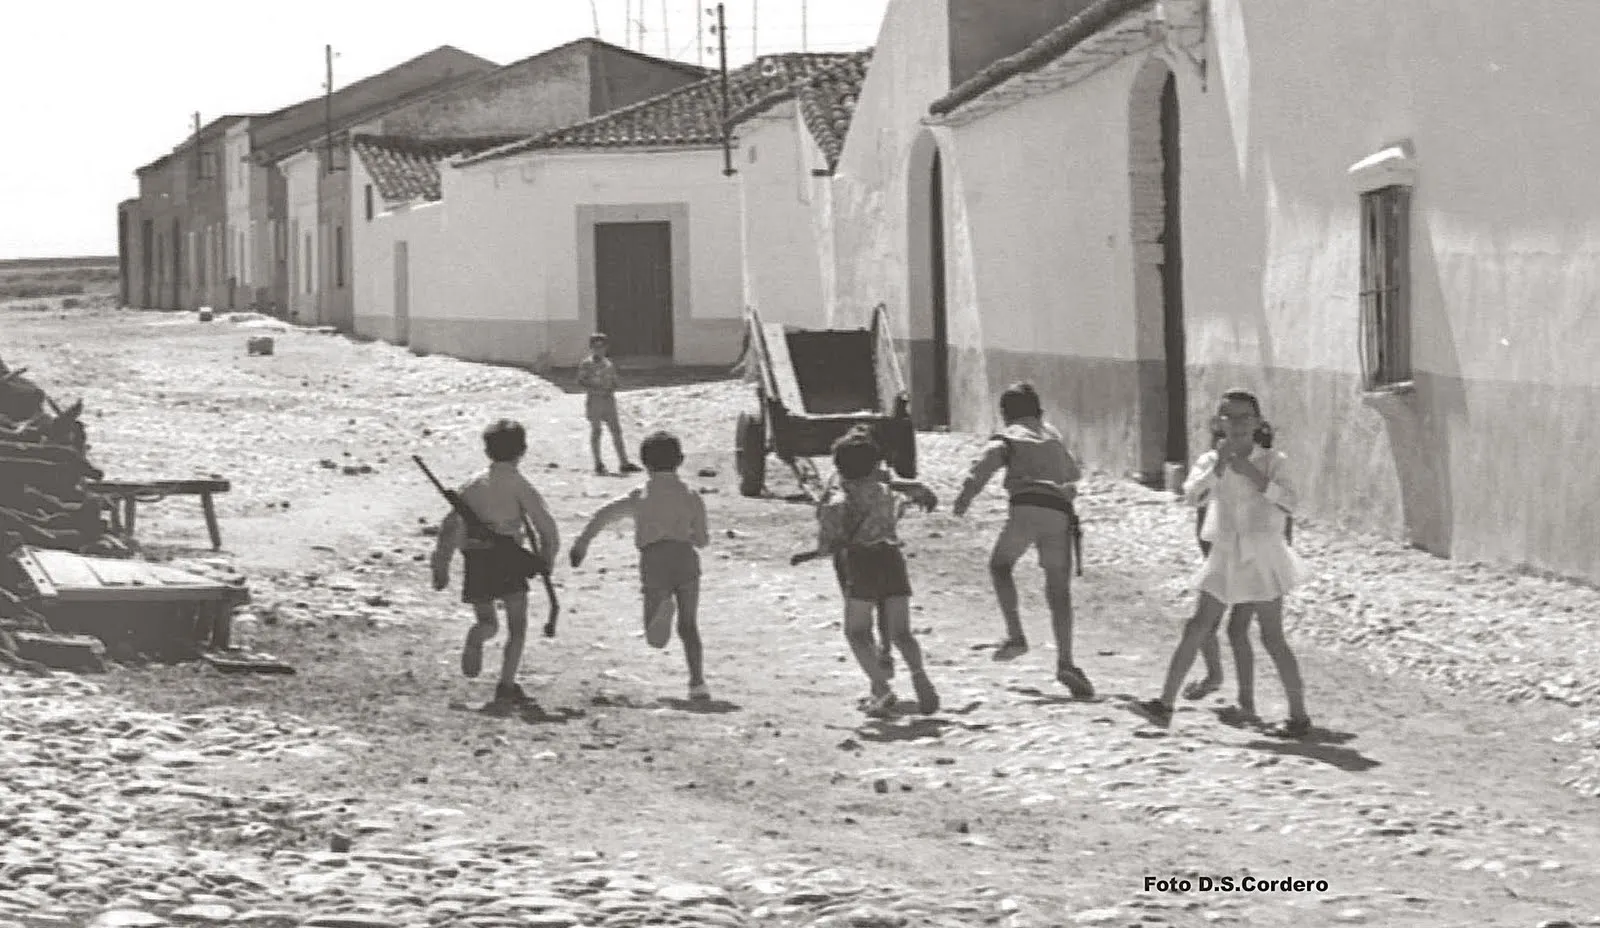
93	90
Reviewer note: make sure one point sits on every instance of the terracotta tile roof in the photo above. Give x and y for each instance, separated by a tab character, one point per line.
404	169
688	116
1052	45
827	102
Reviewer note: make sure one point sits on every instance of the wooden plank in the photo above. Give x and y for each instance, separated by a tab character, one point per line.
782	369
169	487
73	577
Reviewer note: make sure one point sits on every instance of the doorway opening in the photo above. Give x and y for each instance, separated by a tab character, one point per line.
927	301
633	288
1155	173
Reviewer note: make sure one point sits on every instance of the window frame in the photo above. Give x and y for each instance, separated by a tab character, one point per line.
1384	186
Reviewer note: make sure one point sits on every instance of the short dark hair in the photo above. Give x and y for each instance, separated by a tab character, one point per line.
661	451
856	454
599	337
1237	395
1019	401
505	440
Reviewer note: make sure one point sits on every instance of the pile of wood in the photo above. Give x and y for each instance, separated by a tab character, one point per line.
44	497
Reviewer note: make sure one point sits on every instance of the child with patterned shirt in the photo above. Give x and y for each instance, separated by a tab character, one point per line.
856	524
506	503
669	523
597	375
1040	478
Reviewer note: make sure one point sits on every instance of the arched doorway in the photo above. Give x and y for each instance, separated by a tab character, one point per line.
1155	173
925	292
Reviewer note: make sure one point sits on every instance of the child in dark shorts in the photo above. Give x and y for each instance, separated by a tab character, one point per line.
507	504
669	524
857	526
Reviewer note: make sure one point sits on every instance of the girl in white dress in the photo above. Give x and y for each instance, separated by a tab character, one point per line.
1250	563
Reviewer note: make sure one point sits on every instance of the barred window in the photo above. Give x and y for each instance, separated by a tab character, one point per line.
1386	287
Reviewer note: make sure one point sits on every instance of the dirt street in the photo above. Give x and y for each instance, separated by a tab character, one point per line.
1448	781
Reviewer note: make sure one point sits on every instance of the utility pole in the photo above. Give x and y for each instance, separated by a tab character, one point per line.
199	164
327	115
804	47
666	33
755	44
627	23
594	12
700	28
722	56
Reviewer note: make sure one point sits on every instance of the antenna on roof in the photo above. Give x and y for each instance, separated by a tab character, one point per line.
594	11
755	13
666	36
804	46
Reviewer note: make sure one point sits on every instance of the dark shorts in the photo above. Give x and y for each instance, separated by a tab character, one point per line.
665	566
600	407
490	575
872	572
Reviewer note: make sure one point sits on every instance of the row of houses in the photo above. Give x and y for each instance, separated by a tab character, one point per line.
1382	217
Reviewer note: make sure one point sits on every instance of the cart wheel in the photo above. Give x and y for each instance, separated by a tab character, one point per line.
901	441
750	454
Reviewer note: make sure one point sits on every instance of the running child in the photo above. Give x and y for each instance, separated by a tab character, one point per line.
1250	563
1040	478
669	524
856	525
506	503
597	375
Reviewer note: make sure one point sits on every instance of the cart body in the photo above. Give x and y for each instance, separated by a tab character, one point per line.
813	386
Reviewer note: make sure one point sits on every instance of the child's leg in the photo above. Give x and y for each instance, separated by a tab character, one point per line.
688	596
899	611
1277	648
1211	656
896	613
885	639
1207	613
1055	559
595	425
1013	542
516	637
858	633
1244	659
614	425
482	631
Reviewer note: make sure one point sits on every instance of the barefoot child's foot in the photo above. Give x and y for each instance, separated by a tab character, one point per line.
699	692
1200	689
628	467
1237	715
510	694
1295	727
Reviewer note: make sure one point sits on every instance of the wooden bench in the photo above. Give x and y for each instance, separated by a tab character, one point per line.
125	495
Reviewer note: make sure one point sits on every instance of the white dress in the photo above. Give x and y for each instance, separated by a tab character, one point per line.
1250	561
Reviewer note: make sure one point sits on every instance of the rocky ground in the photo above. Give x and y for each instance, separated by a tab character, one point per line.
1449	781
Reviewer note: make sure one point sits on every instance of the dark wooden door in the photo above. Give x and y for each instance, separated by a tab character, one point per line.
633	287
939	414
1172	277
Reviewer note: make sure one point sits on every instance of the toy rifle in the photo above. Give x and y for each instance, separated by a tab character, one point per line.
526	563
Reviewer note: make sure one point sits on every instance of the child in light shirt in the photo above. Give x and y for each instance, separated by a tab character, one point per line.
669	524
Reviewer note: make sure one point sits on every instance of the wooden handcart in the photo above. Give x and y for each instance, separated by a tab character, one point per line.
813	386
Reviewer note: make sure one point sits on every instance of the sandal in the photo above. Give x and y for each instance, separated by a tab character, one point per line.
1233	715
1156	711
880	706
1296	728
927	696
1075	681
1200	689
